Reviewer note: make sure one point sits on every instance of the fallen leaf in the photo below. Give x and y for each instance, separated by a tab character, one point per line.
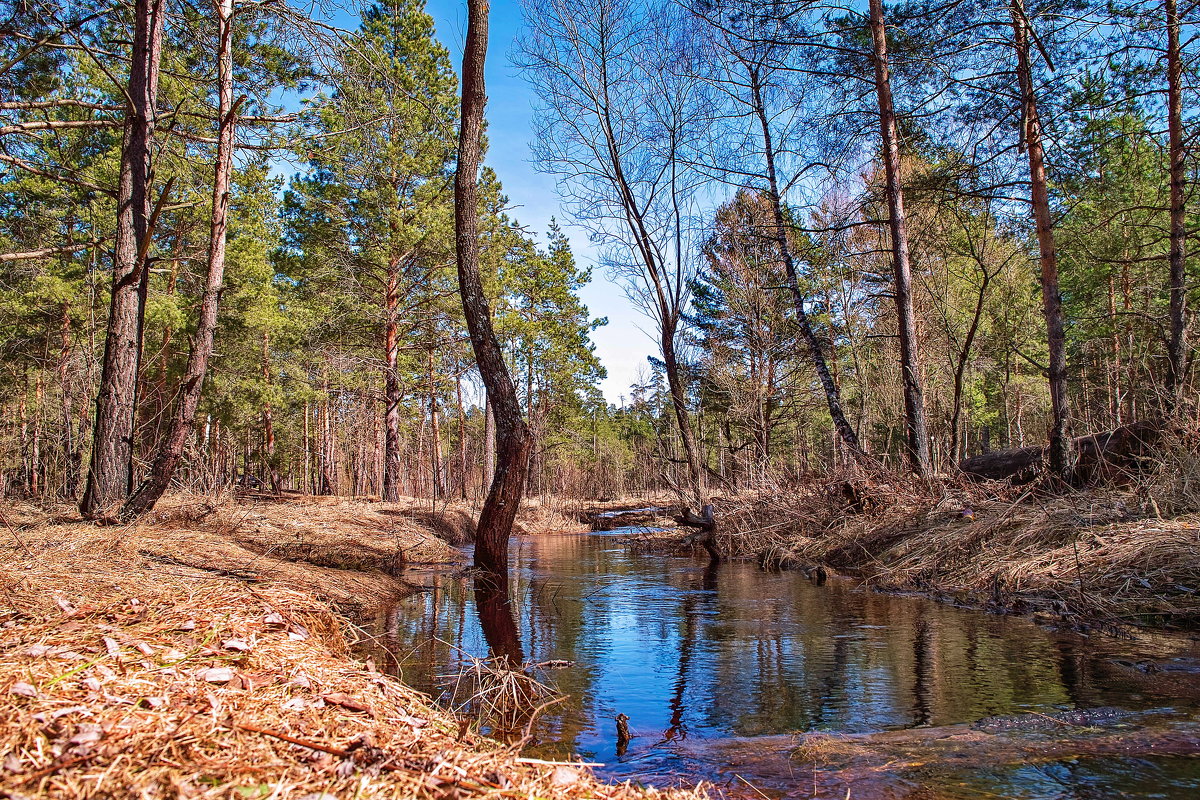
237	645
114	649
93	683
12	763
144	648
88	732
23	689
274	618
564	776
217	675
295	704
345	701
66	607
39	650
297	634
190	625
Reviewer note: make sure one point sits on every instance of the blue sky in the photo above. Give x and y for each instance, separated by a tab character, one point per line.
622	345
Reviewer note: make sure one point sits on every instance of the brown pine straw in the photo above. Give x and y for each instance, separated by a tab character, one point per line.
123	675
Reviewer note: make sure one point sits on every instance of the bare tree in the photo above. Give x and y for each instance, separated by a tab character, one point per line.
616	124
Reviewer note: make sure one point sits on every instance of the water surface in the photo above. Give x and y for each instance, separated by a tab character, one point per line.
699	656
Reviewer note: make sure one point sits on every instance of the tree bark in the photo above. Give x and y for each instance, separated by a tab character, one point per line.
489	446
513	442
917	437
170	449
110	475
1060	456
833	395
1177	345
391	387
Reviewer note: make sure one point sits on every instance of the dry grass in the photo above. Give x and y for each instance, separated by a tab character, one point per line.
1110	556
123	675
496	697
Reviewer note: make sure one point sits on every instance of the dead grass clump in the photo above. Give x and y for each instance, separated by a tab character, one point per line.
1172	486
499	699
123	678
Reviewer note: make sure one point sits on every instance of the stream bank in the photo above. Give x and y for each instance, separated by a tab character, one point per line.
725	671
202	653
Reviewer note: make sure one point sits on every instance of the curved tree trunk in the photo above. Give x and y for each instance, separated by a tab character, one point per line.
170	450
513	441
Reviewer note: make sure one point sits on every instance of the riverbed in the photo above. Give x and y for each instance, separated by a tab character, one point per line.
766	683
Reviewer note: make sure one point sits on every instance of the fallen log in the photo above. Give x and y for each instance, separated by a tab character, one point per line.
1110	455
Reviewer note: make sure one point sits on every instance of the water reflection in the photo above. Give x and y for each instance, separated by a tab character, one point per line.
690	651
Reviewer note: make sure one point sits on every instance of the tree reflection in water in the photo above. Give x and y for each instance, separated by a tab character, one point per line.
496	619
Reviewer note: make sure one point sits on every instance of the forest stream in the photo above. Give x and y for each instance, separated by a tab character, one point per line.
768	685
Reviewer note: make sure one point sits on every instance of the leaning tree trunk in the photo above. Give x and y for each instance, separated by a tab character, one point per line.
1176	344
170	450
914	402
833	395
110	474
1059	453
513	441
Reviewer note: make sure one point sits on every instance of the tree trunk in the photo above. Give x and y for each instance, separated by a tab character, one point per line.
960	367
833	395
1177	345
268	418
504	498
72	453
110	475
1060	440
435	432
917	437
391	387
462	439
489	446
170	449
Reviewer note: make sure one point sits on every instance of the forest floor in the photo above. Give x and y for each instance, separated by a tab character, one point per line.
202	653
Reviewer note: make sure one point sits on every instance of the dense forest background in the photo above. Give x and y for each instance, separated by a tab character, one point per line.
850	227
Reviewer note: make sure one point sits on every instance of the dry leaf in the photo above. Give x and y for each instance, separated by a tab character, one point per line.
237	645
88	732
114	649
274	618
217	675
39	650
564	776
190	625
23	689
